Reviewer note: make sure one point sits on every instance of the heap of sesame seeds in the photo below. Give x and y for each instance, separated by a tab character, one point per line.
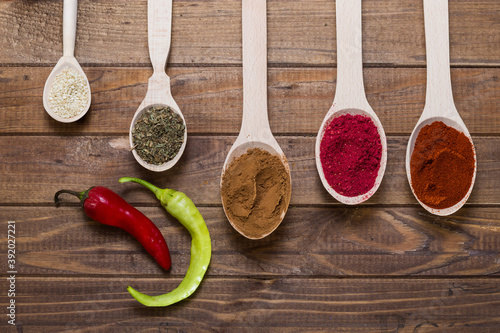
69	94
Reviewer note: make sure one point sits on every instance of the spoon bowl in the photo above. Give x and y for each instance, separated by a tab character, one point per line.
159	93
439	104
350	97
333	113
409	151
62	64
240	148
68	60
255	130
169	164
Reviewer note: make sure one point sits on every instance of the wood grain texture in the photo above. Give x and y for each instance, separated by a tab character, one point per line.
211	99
33	168
325	242
384	266
203	32
281	304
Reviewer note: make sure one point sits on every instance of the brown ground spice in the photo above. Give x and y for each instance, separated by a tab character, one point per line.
255	192
442	165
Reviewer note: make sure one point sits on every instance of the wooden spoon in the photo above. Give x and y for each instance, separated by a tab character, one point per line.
70	9
439	104
350	95
159	93
255	130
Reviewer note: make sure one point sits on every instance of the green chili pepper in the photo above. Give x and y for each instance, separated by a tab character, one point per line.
183	209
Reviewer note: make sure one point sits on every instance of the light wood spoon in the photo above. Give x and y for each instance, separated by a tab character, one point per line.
70	10
159	93
439	104
350	97
255	131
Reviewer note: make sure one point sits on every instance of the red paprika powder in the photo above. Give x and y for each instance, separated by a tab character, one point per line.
441	166
350	154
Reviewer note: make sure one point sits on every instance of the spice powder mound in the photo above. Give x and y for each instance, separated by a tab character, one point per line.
256	191
442	165
350	154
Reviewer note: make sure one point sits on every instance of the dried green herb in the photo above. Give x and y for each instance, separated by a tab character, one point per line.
158	135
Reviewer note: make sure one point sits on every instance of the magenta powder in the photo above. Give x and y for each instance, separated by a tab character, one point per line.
350	154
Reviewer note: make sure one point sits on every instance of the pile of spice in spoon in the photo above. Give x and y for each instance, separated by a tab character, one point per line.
158	135
255	193
442	166
69	94
350	153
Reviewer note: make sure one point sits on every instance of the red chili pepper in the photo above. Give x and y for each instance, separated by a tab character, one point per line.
106	207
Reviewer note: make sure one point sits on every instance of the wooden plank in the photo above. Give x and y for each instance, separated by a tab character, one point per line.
299	32
247	305
340	241
211	99
33	168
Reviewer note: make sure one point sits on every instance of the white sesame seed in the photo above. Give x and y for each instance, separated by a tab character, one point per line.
69	94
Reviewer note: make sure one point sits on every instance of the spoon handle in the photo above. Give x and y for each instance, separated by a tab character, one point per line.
254	43
159	33
70	8
439	96
350	90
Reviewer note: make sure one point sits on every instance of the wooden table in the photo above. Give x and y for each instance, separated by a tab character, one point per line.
385	265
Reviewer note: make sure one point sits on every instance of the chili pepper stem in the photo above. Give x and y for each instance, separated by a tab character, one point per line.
160	193
80	195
